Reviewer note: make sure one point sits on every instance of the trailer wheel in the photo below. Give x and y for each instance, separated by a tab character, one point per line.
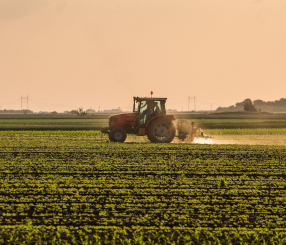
117	135
182	137
161	131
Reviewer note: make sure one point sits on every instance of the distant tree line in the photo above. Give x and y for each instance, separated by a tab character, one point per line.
256	106
16	111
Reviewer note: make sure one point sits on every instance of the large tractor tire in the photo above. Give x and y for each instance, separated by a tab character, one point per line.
161	131
117	135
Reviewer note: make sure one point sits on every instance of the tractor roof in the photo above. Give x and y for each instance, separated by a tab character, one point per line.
148	99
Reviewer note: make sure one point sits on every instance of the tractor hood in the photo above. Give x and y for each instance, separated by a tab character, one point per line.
122	119
126	116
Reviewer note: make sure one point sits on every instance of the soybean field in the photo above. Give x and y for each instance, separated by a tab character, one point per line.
47	122
75	187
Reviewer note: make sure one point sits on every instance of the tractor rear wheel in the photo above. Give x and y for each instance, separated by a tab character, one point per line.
161	131
117	135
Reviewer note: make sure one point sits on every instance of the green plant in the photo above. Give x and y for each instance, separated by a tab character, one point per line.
81	112
249	107
222	183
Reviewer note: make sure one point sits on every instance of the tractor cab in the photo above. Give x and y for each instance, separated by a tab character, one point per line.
147	108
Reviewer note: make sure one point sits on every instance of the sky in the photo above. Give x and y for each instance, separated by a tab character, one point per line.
66	54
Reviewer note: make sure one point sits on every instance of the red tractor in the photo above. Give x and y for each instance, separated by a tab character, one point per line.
149	118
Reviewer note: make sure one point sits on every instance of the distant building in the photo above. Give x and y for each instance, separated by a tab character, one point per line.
172	110
118	110
90	111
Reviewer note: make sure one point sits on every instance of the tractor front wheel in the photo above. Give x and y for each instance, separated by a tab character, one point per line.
161	131
117	135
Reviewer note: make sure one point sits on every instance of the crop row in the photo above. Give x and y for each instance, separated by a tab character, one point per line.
96	122
29	234
70	181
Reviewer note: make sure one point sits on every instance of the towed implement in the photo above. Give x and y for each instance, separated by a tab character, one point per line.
149	118
187	131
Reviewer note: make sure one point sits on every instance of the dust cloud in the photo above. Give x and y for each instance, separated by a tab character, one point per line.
222	140
250	139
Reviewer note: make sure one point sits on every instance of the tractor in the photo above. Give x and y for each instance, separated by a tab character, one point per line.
149	118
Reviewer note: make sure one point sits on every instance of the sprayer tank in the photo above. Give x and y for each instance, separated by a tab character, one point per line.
186	127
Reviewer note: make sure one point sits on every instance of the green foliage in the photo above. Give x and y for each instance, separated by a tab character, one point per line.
88	122
61	235
222	183
80	112
66	187
50	176
249	107
269	106
244	177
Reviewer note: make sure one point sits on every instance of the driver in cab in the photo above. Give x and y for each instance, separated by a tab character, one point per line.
152	107
157	108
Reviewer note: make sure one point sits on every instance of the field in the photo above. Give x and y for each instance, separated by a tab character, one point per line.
62	181
97	121
76	187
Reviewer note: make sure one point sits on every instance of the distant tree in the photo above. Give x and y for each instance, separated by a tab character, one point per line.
238	104
249	107
80	112
258	102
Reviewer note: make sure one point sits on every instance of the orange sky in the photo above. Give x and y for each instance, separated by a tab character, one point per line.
65	54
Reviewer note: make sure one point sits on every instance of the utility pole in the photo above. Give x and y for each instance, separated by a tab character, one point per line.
193	98
22	102
195	103
189	98
24	98
27	102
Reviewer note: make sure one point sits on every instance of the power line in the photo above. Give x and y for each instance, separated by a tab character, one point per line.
23	98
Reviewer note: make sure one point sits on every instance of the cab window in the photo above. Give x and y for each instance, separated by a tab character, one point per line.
142	107
157	107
